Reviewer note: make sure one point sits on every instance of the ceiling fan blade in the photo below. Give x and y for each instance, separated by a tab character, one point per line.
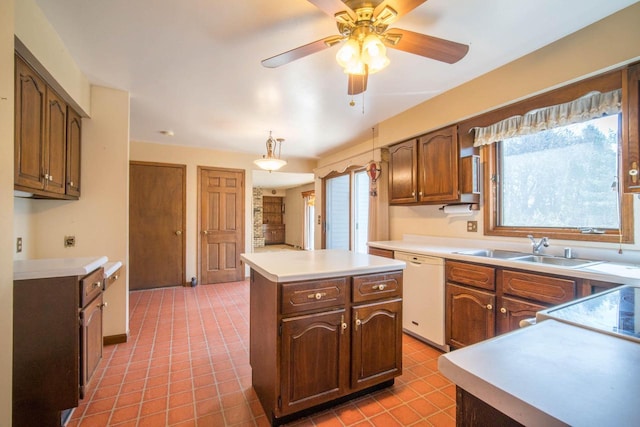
401	7
423	45
301	52
332	7
357	84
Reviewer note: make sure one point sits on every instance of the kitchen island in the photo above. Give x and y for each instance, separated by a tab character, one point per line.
325	326
558	372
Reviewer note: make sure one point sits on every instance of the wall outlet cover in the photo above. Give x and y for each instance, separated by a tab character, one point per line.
472	226
69	241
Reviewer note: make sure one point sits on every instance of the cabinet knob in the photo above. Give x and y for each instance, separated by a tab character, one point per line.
50	177
503	310
413	194
103	305
489	307
178	232
71	183
317	295
379	287
46	176
633	172
97	284
343	325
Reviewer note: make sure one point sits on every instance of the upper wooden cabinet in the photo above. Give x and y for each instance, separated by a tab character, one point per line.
631	126
47	138
425	170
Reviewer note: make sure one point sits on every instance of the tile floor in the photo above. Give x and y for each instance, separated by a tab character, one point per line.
187	364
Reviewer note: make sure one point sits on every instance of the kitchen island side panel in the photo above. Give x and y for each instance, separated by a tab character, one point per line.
263	333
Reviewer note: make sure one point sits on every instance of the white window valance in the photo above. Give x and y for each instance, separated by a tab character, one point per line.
590	106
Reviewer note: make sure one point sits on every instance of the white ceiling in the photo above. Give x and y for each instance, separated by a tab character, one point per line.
193	66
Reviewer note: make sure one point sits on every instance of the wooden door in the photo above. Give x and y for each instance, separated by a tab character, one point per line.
30	93
438	165
403	165
221	224
156	225
376	353
314	360
470	315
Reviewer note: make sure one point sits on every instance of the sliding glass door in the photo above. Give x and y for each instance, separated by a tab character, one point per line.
346	216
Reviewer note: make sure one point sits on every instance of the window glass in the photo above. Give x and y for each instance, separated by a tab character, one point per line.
561	178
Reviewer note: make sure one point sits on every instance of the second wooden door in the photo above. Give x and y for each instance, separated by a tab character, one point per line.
221	225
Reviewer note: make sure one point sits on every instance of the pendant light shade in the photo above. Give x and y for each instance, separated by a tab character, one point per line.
271	161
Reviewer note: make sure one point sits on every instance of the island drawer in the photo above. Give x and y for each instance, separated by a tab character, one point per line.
377	286
545	289
91	286
476	275
313	295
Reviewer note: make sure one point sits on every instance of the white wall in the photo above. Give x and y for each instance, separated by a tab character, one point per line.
294	215
6	208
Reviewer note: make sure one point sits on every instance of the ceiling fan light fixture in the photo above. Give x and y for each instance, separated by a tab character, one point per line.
374	53
271	162
348	53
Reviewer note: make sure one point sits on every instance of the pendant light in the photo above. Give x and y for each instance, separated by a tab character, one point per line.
271	161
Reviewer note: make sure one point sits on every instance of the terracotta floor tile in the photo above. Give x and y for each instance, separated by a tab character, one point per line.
186	363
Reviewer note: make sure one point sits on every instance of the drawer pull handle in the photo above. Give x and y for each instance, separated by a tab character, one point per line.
317	295
115	277
489	307
379	287
342	324
97	284
358	322
503	310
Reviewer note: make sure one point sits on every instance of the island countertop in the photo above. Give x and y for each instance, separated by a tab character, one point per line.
290	266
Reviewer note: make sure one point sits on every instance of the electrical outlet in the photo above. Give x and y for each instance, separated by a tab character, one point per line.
69	241
472	226
19	245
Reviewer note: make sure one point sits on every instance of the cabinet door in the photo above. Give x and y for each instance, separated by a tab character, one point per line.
314	360
56	147
30	100
438	166
512	311
631	131
74	128
90	341
470	316
403	164
376	350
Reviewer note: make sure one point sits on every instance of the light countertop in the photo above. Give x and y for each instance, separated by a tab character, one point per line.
616	272
289	266
552	374
56	267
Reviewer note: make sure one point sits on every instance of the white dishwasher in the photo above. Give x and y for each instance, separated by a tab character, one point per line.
423	298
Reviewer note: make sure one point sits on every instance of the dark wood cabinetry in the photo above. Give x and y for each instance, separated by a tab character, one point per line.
484	301
57	345
313	342
631	131
425	170
273	228
380	252
47	138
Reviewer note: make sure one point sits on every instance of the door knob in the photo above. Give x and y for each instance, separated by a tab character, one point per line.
178	232
205	231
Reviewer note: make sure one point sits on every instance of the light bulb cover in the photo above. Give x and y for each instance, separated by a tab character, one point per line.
348	52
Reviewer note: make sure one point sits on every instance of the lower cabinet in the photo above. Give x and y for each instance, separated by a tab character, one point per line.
54	357
484	301
314	342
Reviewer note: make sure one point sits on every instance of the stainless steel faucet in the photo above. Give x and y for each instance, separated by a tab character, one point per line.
537	245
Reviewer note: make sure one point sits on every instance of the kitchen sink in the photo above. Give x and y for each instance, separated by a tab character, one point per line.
552	260
493	253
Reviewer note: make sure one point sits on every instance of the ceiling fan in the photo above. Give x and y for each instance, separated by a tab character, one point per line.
363	27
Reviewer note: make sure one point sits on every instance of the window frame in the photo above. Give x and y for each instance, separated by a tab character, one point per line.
603	83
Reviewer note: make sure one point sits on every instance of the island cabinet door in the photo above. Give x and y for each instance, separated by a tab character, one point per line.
470	315
376	343
314	360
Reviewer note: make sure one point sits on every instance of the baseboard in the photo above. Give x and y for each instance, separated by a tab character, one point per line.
115	339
